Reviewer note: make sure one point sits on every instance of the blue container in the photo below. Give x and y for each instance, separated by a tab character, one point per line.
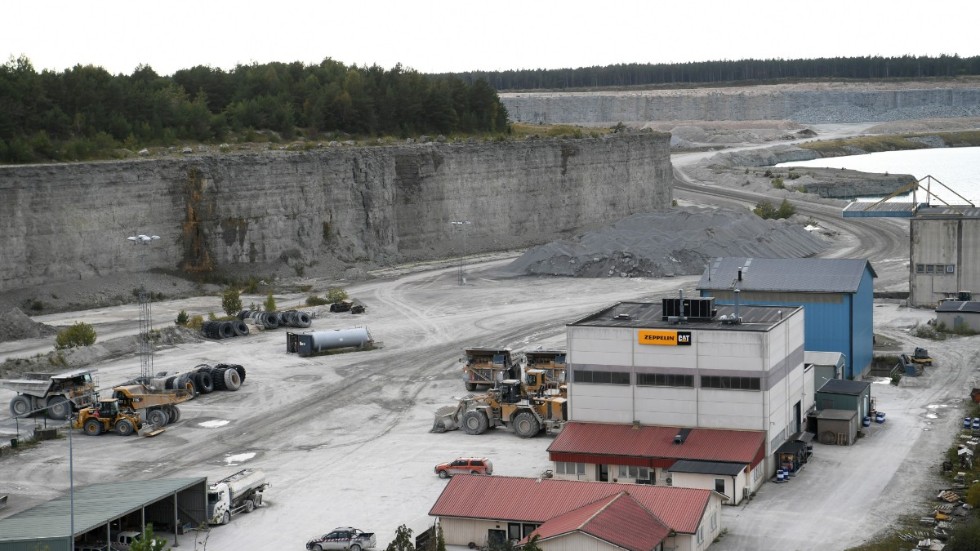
976	423
966	422
880	417
866	421
780	476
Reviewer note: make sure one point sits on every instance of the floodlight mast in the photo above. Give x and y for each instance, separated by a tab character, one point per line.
460	277
145	322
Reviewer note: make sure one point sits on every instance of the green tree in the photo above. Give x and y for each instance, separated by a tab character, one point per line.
532	544
973	496
336	294
786	209
765	210
182	318
148	542
965	537
270	303
402	541
231	301
79	334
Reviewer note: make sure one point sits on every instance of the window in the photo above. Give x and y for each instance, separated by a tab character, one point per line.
634	472
602	377
731	383
951	268
930	268
920	268
714	521
664	379
720	485
562	467
514	531
700	534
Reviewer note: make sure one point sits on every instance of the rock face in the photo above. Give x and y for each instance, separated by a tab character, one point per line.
829	103
319	210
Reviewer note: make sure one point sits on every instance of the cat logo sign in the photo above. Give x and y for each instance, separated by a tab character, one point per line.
664	337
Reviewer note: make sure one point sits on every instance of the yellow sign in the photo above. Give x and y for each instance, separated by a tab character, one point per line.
663	337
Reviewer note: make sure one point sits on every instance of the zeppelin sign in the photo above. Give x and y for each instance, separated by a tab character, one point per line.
664	338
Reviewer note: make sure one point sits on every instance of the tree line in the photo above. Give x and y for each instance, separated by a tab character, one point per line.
85	112
718	72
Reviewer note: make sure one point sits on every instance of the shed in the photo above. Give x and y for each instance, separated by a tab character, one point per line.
959	314
842	394
96	513
826	366
836	426
837	296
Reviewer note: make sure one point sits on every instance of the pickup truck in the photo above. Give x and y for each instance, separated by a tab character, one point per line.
343	538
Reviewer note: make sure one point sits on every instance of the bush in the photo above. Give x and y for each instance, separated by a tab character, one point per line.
766	210
79	334
786	209
270	303
777	183
336	294
231	301
196	322
314	300
181	318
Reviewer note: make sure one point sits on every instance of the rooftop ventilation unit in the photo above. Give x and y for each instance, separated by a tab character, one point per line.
696	309
623	317
681	436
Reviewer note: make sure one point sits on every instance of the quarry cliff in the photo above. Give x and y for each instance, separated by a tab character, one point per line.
321	210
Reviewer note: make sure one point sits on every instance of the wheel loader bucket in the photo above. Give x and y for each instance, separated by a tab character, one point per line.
445	419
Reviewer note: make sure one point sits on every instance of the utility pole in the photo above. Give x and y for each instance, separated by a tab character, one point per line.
146	324
460	278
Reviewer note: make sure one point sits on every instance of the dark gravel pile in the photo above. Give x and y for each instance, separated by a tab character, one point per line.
673	242
15	325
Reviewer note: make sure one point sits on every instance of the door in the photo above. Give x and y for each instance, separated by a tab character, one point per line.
797	418
602	473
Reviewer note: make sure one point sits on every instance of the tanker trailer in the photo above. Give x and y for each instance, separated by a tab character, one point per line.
318	342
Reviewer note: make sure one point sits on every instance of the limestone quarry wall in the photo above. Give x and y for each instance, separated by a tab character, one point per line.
843	103
319	209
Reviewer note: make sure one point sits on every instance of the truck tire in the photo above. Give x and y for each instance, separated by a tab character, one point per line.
20	406
218	378
470	387
92	427
158	417
249	505
176	414
204	382
232	380
241	372
124	427
226	518
526	425
475	422
172	415
59	408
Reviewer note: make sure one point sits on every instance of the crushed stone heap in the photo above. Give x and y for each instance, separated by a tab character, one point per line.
674	242
16	326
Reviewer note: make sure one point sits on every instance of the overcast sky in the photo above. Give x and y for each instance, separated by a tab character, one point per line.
461	35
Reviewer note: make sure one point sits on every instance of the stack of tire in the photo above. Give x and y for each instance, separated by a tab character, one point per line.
274	320
204	379
224	329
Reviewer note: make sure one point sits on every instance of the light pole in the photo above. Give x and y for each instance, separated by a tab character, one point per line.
462	226
146	325
71	483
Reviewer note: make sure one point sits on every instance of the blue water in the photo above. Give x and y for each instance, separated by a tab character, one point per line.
957	168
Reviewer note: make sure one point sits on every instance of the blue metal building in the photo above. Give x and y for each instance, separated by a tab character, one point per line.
837	296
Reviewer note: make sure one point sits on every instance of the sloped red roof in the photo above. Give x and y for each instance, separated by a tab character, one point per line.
618	519
733	446
540	500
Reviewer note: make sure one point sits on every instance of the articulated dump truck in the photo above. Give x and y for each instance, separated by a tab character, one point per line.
528	408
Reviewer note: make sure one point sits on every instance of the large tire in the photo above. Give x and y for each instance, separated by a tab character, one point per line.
232	380
158	417
526	424
59	408
124	427
176	414
218	378
92	427
172	414
470	387
475	422
249	505
204	382
21	406
241	372
226	518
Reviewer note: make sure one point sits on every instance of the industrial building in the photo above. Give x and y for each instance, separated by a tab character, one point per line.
689	364
959	315
566	515
837	295
944	259
729	462
96	514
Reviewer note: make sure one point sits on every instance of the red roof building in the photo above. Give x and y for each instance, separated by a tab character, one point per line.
726	461
482	509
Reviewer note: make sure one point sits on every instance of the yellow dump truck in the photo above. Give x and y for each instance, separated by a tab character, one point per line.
157	407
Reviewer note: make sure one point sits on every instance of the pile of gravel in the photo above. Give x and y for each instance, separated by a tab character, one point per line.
16	325
678	241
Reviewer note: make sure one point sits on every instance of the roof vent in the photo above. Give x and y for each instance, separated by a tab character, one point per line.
623	316
681	436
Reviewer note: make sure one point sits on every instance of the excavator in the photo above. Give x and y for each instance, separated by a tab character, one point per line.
528	407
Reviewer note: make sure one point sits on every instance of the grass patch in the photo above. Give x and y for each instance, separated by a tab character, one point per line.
524	130
875	144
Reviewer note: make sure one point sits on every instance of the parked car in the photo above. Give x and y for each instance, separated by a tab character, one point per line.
465	465
343	538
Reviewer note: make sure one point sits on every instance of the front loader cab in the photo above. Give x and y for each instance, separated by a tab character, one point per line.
510	391
108	408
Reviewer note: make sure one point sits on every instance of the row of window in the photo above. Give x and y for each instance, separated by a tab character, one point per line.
935	268
562	467
666	379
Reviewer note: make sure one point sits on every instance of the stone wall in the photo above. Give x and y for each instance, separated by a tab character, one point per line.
321	209
830	103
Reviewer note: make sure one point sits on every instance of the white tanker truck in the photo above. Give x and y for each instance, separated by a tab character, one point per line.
233	494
